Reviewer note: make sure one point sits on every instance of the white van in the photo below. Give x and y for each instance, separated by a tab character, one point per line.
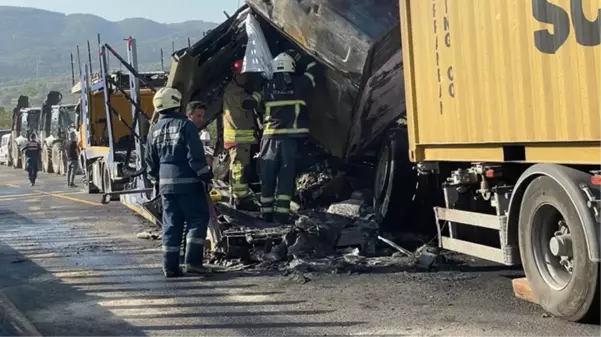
4	141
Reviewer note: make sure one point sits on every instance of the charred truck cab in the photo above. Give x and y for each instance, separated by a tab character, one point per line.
359	96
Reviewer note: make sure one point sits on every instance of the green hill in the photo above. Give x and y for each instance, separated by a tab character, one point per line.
35	47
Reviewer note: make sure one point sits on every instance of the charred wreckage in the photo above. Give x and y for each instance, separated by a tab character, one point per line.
345	198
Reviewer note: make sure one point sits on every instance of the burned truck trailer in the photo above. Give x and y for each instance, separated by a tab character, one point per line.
360	94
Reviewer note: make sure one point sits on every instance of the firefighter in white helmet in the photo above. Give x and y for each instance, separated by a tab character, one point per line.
175	158
286	123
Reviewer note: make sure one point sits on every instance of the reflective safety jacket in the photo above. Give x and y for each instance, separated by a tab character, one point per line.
238	123
32	150
175	155
285	101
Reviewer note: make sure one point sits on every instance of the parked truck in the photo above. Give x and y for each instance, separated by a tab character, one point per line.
26	123
56	123
503	105
14	156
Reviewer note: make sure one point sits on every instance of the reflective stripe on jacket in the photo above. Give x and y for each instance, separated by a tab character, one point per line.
175	155
238	123
32	150
284	98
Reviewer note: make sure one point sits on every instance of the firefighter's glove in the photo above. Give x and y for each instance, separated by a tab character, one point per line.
206	176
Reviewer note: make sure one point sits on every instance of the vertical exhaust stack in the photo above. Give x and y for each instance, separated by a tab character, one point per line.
99	51
78	61
189	43
162	61
90	59
72	70
172	47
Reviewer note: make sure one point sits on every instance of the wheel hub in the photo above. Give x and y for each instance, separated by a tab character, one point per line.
560	246
553	251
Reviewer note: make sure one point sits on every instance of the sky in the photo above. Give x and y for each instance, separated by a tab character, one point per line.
169	11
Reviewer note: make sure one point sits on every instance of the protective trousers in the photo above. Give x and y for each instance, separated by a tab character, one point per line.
32	170
239	167
177	209
278	175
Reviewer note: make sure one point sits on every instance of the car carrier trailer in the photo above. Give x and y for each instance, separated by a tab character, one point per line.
114	108
503	105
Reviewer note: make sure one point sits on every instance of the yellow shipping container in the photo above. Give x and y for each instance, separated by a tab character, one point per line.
503	80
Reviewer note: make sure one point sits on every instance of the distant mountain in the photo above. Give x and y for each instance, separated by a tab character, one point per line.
36	43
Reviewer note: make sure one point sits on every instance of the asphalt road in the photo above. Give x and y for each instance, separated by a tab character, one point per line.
71	266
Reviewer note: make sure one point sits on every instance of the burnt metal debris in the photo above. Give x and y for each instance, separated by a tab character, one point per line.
340	238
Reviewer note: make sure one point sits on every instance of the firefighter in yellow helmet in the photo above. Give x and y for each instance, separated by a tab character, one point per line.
286	123
238	136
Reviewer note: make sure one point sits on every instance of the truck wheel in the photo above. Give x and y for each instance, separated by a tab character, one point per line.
82	167
108	186
555	254
395	181
17	162
24	162
47	162
56	158
89	181
62	164
43	159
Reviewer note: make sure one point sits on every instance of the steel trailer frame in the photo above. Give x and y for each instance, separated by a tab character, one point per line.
137	189
118	175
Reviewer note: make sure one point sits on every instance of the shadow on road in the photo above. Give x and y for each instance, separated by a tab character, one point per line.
119	294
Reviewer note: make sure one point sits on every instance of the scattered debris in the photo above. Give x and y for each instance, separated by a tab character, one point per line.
342	239
395	246
321	185
427	256
148	235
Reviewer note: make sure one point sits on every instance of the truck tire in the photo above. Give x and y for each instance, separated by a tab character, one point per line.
24	162
107	184
43	159
395	181
16	155
63	164
17	162
90	185
56	158
47	160
88	181
550	230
